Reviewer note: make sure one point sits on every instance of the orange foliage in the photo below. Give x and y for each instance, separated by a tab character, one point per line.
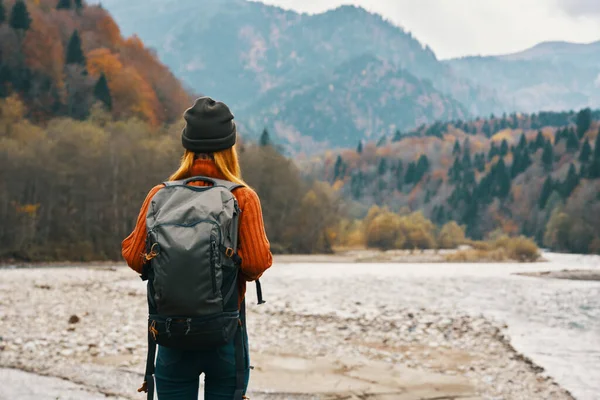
42	52
110	31
103	61
133	95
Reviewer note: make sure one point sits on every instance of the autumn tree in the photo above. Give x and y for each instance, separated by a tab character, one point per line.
20	19
74	52
64	5
102	92
451	235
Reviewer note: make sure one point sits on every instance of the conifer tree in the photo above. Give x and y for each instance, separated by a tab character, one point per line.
572	142
422	167
586	151
265	138
548	156
20	19
74	52
102	92
338	168
410	174
502	178
399	175
359	149
594	169
5	78
64	5
78	4
480	162
381	142
503	148
456	149
397	136
493	151
522	142
382	168
2	12
540	141
466	160
571	182
597	147
455	171
584	120
486	129
547	190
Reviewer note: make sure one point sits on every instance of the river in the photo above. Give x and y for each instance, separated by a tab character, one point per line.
554	322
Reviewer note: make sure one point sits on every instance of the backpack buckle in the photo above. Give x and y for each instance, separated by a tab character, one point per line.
229	252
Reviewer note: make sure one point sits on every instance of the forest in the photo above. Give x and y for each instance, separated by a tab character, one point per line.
90	121
63	56
535	175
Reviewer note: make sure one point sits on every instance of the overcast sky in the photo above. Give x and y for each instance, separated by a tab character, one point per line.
454	28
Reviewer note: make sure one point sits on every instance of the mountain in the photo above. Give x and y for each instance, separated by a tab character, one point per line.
61	58
549	76
364	97
241	51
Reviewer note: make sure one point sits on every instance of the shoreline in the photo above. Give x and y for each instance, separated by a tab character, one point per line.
429	256
412	351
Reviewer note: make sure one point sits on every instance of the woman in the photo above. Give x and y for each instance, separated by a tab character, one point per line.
209	140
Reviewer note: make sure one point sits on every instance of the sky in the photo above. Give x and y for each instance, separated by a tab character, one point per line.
456	28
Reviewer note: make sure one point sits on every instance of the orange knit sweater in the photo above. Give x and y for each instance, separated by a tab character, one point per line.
253	245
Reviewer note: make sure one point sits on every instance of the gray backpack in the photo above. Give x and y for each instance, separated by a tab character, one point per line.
193	271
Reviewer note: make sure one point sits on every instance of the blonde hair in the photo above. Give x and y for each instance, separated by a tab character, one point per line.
226	160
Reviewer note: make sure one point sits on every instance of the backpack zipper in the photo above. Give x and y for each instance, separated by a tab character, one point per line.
213	263
189	225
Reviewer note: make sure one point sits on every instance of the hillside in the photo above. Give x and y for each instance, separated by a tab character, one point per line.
537	175
549	76
62	57
238	50
364	98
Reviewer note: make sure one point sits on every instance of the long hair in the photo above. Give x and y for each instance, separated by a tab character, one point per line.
227	163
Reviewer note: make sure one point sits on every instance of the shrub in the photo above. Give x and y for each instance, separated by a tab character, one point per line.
451	236
382	231
519	248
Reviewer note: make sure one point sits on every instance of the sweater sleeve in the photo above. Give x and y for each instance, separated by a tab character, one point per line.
253	245
133	247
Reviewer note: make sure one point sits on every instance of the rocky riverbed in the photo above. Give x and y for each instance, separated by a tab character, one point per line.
321	335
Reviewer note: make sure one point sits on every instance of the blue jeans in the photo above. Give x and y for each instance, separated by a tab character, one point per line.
178	372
